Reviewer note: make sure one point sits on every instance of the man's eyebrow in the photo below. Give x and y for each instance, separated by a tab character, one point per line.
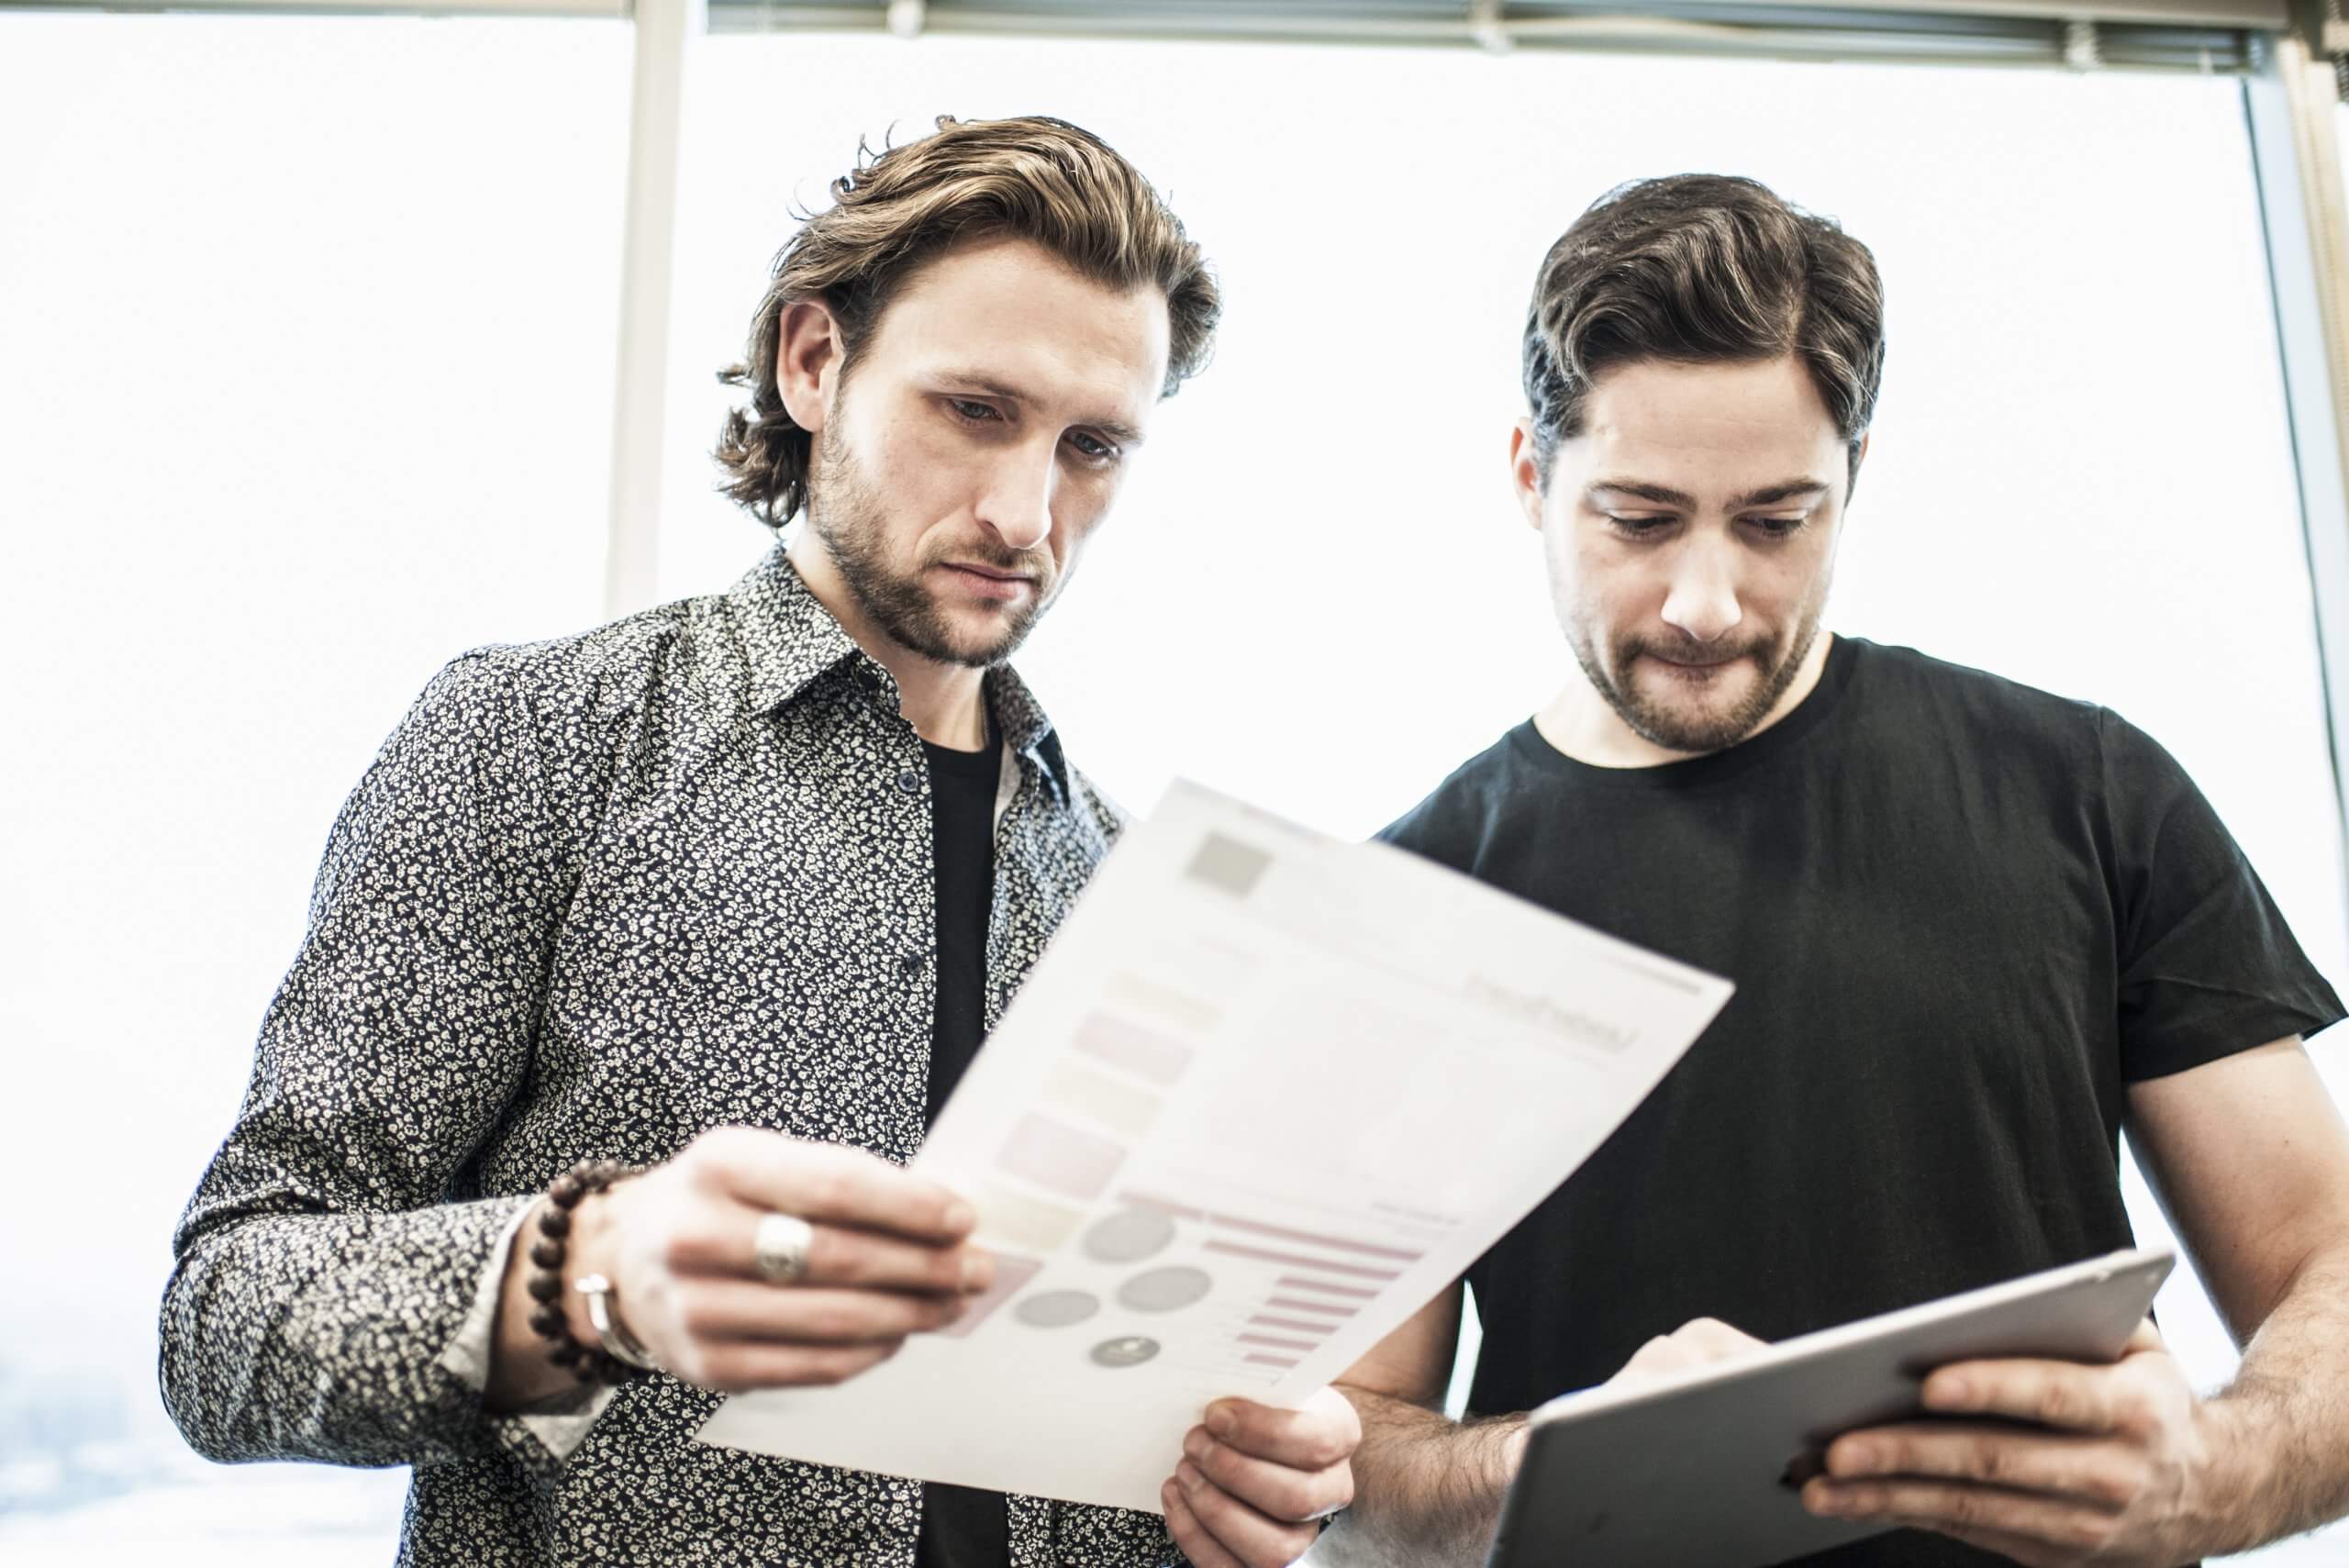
1784	490
1655	493
1767	495
1116	430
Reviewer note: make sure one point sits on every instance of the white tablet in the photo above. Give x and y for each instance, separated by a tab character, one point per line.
1695	1467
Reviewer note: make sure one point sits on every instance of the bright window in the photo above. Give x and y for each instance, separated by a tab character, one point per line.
309	333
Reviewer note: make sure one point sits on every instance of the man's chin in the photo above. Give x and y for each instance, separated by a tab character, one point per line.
979	642
1718	715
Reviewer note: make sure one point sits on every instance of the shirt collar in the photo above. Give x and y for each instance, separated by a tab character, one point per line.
789	639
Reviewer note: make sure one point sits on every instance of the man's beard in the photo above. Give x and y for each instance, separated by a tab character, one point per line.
1779	661
851	520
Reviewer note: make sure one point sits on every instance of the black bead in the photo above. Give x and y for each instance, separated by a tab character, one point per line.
566	1191
547	1254
565	1354
555	1223
544	1288
548	1323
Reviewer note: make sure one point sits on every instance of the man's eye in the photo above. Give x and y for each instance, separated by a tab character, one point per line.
1779	528
973	412
1092	447
1637	526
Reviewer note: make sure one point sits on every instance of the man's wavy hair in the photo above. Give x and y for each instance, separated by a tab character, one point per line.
1701	269
1034	178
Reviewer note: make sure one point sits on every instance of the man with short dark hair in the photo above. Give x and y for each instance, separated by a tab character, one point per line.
1975	930
726	893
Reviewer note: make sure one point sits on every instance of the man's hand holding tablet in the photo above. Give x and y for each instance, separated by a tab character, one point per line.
2105	1463
2026	1418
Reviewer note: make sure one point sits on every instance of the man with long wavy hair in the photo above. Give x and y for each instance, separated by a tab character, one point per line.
725	894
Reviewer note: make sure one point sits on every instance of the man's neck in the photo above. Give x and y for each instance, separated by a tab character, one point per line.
1585	726
946	703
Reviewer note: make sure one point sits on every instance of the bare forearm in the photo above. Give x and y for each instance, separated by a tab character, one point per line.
2280	1431
520	1374
1427	1489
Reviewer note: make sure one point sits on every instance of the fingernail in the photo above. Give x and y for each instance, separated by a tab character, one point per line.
1195	1443
1947	1391
1821	1499
978	1273
960	1216
1220	1419
1188	1475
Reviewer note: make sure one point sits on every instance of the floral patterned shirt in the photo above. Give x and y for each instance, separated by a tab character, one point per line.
595	896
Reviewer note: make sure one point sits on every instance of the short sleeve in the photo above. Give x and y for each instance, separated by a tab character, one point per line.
2207	966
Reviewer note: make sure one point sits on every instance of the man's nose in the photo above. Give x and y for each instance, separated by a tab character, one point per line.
1703	598
1016	504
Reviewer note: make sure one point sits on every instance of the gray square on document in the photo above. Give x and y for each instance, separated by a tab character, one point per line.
1228	865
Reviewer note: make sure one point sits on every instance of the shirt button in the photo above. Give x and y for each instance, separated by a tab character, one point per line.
910	781
911	963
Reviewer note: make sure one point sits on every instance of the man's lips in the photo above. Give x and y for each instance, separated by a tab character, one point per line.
1693	663
990	584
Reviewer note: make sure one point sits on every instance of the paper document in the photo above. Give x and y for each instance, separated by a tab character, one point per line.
1266	1093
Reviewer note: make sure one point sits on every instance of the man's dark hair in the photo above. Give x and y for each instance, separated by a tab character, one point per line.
1701	269
1035	178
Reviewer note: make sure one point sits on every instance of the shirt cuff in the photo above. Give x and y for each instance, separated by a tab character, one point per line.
561	1422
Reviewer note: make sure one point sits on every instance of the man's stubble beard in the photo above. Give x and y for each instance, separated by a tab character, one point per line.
851	522
1658	725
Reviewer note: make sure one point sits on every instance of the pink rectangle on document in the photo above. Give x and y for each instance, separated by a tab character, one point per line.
1290	1282
1292	1324
1010	1272
1276	1344
1274	1361
1054	1154
1143	1052
1288	1304
1355	1270
1340	1242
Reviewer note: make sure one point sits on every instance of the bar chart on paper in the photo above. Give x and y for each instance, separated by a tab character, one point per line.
1264	1096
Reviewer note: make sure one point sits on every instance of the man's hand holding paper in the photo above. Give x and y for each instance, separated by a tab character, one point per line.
884	1256
1256	1481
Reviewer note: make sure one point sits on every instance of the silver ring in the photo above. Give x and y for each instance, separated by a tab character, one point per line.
779	1247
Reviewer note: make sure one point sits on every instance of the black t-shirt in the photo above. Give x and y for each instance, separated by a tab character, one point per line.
961	1527
1961	915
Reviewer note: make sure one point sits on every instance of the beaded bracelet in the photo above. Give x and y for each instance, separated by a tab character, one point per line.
585	1362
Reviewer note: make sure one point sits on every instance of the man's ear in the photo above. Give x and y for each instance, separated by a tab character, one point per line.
808	355
1853	483
1525	473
